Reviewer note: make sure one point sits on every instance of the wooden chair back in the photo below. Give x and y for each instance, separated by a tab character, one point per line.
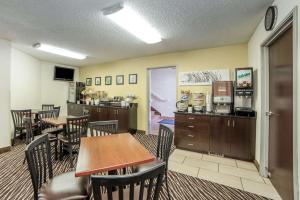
45	114
38	157
29	131
18	117
47	106
76	128
149	184
101	128
164	143
57	111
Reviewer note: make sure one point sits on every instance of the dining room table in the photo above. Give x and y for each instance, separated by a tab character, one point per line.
110	153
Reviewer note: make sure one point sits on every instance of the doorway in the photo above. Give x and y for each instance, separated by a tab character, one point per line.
161	98
279	154
281	113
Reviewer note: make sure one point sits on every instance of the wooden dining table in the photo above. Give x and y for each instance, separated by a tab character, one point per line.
111	152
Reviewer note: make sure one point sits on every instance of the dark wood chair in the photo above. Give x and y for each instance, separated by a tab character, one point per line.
130	186
76	128
47	106
18	120
163	148
101	128
57	110
45	186
52	131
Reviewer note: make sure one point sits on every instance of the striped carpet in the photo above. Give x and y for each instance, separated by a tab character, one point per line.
15	182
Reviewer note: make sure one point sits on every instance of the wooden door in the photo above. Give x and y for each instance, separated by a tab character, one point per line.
281	114
219	138
102	114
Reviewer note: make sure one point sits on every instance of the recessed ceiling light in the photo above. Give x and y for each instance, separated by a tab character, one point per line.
59	51
131	21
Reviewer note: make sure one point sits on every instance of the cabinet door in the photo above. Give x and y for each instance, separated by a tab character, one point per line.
219	140
240	138
122	116
93	111
103	114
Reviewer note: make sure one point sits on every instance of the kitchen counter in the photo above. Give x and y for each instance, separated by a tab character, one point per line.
216	114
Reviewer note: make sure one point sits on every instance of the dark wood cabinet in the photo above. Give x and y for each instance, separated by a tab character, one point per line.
220	132
127	117
231	136
122	115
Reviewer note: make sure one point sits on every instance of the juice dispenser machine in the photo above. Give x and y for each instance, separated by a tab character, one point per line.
243	94
222	96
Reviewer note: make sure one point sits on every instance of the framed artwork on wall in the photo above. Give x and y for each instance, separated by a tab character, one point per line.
120	79
88	81
108	80
97	80
132	79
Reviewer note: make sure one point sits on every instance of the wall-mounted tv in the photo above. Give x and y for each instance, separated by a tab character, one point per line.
63	74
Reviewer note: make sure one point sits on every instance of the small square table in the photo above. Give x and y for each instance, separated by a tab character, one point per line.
111	152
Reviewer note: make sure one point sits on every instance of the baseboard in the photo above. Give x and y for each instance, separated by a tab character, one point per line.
256	164
141	132
5	149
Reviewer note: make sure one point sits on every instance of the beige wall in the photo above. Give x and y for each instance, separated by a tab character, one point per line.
202	59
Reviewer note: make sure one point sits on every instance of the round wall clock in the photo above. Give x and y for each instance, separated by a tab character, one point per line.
270	18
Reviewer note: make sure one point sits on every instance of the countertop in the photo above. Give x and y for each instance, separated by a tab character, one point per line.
108	105
213	114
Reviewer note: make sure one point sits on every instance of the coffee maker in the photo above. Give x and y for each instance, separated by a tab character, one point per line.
222	96
243	94
182	105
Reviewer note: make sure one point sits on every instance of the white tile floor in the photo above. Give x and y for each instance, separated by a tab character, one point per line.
230	172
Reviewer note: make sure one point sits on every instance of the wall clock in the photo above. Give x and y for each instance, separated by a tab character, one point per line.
270	18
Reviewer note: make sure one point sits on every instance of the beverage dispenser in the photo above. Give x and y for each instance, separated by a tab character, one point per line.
222	96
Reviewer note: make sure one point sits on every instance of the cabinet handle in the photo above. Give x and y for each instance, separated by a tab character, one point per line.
233	123
228	122
191	118
190	144
190	135
191	126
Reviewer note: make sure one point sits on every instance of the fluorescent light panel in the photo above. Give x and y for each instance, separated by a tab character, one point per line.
59	51
133	23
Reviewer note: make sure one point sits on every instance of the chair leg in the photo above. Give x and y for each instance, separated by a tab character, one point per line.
14	139
55	146
24	160
167	185
71	155
61	151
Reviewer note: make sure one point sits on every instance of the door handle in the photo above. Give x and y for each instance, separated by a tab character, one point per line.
228	122
191	118
233	123
191	126
270	113
190	135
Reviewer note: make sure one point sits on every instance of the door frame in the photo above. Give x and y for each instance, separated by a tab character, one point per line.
291	19
149	90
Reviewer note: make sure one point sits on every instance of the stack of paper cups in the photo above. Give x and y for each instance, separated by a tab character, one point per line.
208	102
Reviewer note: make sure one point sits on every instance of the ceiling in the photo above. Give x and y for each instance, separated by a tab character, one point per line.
78	25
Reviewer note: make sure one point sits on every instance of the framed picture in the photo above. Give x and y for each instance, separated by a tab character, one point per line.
132	79
120	79
88	81
108	80
97	80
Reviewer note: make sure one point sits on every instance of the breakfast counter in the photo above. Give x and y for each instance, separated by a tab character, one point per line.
221	134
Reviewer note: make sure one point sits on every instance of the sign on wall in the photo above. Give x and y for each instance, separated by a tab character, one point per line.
203	77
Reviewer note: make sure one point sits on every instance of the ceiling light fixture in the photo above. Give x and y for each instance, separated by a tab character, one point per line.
133	23
59	51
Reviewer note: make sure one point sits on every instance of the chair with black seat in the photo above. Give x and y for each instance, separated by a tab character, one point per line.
18	120
45	186
163	148
29	132
47	106
101	128
57	110
76	128
130	186
49	129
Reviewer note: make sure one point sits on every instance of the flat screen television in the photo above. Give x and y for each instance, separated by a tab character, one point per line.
63	74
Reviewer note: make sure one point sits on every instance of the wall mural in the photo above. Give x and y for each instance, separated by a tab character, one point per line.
203	77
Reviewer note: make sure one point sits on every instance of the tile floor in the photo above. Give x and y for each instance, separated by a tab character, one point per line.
230	172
